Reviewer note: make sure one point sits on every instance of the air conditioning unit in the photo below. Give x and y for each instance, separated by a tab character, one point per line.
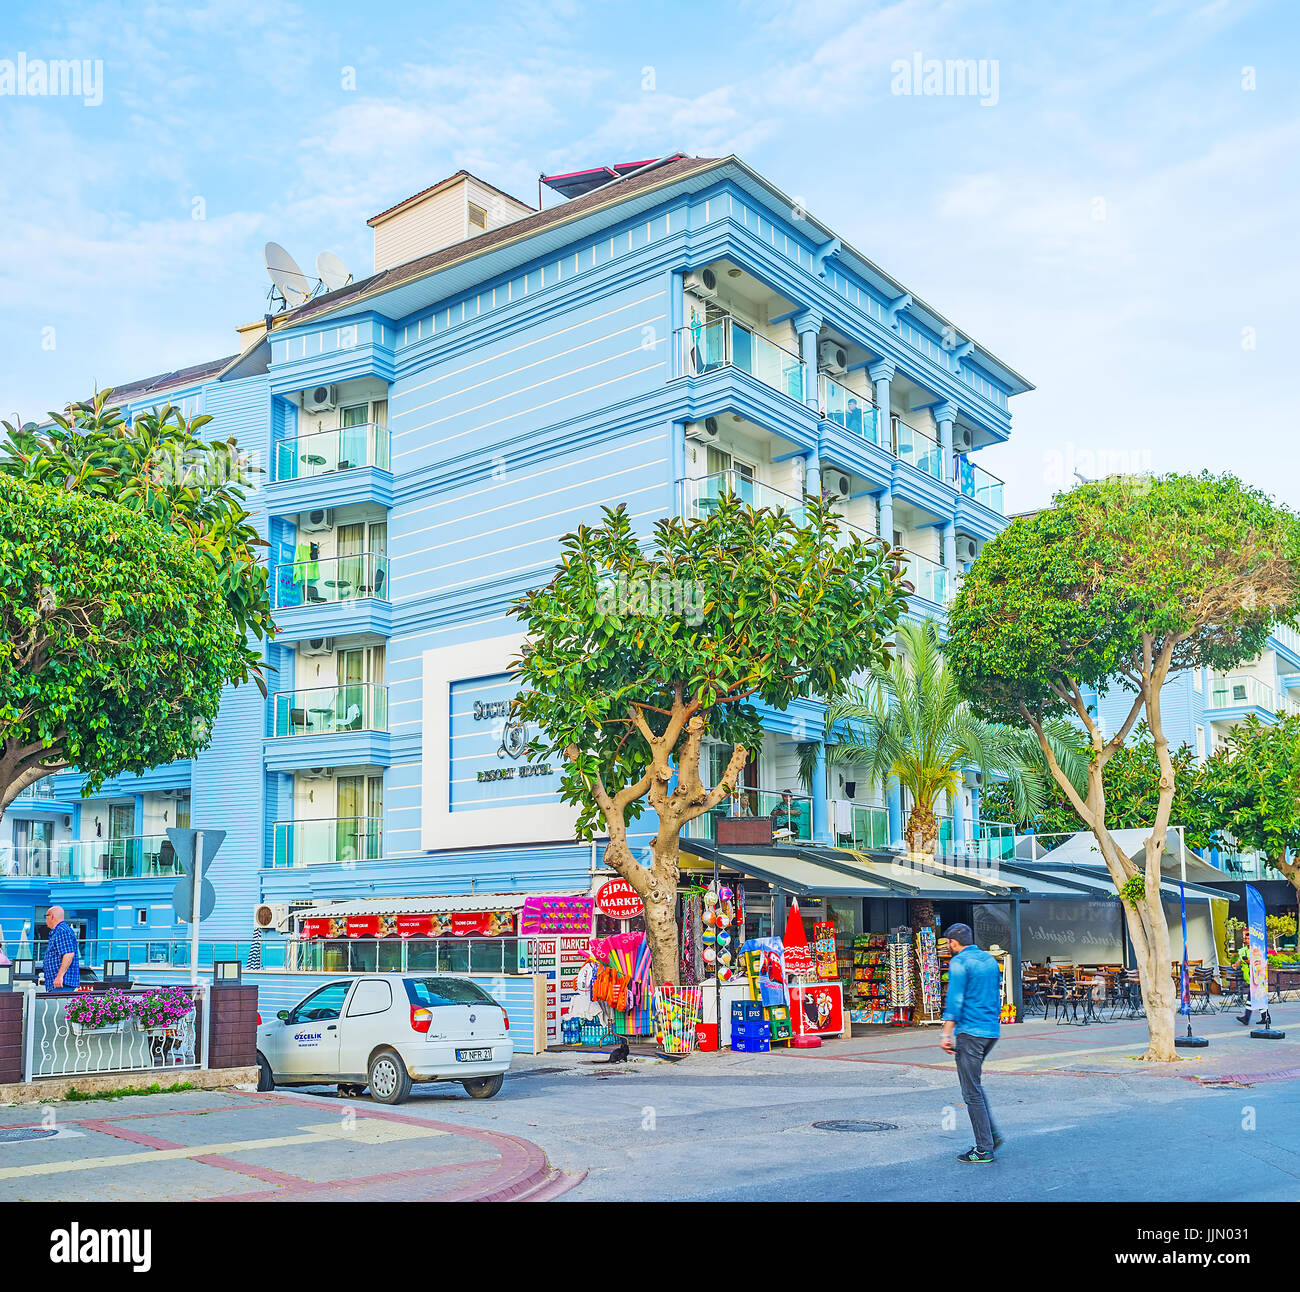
705	431
832	356
318	646
320	399
972	779
702	282
271	915
320	520
316	773
967	548
963	440
835	486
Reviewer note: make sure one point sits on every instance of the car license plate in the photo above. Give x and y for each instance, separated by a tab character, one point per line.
473	1056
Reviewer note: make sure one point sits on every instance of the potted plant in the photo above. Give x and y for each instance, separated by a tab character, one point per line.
160	1009
102	1012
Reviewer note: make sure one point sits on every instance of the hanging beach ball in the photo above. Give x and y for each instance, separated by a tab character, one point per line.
723	920
710	898
726	894
710	955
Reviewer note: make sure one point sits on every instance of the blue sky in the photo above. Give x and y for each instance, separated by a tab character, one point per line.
1120	226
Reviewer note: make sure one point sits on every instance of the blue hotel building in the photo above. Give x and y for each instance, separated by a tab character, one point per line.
666	331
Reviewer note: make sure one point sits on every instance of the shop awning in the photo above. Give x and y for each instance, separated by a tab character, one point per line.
837	872
458	902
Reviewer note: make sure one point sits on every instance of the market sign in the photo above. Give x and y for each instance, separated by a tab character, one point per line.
619	900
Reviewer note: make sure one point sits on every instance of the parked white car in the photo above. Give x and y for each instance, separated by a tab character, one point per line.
386	1031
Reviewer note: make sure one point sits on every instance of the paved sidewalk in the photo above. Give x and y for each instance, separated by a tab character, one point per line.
241	1147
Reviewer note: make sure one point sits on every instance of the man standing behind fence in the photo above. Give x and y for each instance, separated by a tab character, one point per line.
61	970
971	1027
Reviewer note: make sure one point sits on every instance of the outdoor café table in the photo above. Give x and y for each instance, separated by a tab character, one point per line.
312	459
320	718
341	588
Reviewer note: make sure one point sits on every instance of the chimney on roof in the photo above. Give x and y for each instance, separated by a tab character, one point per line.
457	208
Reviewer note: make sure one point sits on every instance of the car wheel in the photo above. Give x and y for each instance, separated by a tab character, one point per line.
483	1087
390	1083
265	1081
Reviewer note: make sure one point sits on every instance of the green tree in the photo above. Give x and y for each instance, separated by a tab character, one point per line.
635	655
115	640
1132	783
1124	582
910	722
158	466
1248	792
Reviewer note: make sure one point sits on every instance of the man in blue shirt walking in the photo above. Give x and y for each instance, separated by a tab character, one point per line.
971	1027
62	973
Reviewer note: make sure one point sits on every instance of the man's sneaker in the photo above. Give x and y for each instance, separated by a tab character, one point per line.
998	1141
976	1155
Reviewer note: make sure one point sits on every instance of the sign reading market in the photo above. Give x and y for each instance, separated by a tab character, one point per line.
619	900
451	924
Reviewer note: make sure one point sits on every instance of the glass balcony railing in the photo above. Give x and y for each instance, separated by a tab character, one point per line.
702	493
328	842
330	710
787	811
911	445
39	792
141	856
979	484
1240	691
726	342
323	452
987	840
848	408
867	827
336	578
929	578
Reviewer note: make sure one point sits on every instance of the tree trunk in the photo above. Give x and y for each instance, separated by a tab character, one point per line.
922	831
1150	939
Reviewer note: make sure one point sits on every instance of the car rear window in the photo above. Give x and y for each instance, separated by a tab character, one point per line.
446	991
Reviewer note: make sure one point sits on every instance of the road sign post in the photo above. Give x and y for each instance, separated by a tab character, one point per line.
193	897
196	888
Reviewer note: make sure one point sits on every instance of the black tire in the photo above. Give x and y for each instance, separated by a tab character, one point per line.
265	1081
483	1087
390	1083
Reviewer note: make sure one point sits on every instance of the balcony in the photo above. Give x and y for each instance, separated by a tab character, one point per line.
981	485
866	828
701	494
143	856
1240	691
324	452
785	809
929	578
917	448
332	580
726	342
330	710
987	840
336	841
848	409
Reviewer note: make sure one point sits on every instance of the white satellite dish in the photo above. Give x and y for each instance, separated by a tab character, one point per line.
332	271
293	286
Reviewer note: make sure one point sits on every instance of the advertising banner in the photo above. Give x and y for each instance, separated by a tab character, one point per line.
555	915
619	900
817	1009
460	924
1255	923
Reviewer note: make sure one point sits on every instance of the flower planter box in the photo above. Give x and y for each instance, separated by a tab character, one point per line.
108	1029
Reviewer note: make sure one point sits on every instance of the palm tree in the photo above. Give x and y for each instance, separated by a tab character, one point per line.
910	721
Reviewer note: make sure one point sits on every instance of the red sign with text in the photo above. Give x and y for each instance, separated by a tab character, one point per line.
619	900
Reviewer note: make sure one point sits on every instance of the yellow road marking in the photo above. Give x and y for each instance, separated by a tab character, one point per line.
365	1130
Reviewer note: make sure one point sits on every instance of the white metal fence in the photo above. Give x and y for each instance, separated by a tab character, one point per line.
57	1047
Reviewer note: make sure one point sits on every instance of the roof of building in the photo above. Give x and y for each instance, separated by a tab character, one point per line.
170	380
441	184
656	174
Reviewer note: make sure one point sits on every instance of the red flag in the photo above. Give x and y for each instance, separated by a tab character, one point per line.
798	958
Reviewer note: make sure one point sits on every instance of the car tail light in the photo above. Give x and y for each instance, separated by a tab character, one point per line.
507	1019
420	1018
259	1020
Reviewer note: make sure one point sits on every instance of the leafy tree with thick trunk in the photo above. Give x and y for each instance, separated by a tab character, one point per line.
1248	792
115	640
638	655
1124	582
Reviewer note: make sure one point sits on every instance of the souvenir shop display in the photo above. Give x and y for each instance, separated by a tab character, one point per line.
870	979
763	960
927	960
824	954
816	1009
554	914
677	1013
901	993
798	957
719	931
622	982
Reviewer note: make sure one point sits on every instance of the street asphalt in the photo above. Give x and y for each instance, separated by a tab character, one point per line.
1082	1118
